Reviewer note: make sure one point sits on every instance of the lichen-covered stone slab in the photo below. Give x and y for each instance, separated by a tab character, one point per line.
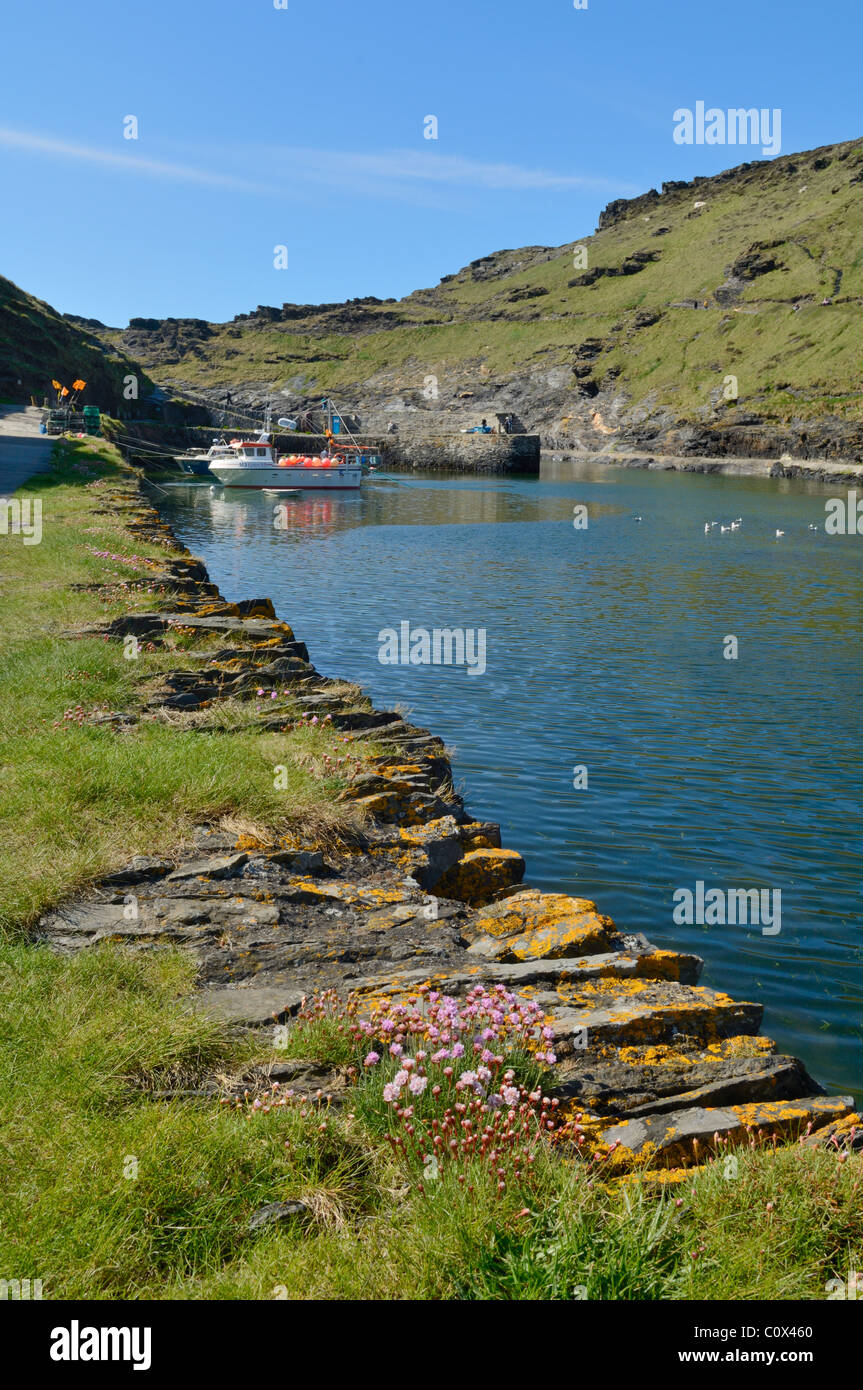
670	1141
480	874
548	918
642	1010
667	1077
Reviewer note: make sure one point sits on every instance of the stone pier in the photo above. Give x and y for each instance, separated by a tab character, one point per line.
420	449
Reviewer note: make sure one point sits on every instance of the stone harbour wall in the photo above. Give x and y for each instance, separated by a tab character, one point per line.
656	1069
413	447
464	453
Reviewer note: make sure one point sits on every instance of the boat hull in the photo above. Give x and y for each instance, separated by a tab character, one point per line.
348	476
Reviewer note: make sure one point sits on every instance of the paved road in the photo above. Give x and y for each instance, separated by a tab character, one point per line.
23	450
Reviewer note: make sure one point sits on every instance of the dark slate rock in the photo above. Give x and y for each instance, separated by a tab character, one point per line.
226	866
275	1212
139	870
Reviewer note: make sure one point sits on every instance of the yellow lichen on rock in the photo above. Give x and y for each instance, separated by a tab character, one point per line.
531	910
480	874
659	965
569	938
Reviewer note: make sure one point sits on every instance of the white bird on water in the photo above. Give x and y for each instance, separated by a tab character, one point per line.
636	518
706	527
812	526
725	528
779	533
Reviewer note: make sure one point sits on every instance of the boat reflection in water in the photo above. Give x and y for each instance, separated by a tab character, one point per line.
256	515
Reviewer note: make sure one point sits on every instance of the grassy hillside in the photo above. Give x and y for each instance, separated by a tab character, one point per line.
535	331
37	344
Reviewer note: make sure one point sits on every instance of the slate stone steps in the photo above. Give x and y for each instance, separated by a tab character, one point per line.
647	1011
247	656
642	1080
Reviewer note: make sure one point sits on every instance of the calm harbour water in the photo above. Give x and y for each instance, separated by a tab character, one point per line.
605	649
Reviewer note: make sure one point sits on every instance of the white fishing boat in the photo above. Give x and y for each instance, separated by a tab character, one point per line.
253	464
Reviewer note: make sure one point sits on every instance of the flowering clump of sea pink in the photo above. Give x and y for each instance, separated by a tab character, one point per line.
460	1078
79	716
455	1084
492	1137
135	562
473	1034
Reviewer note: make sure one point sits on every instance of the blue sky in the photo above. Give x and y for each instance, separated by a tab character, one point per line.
303	127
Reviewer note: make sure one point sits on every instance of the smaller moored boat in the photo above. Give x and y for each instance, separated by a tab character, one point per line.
199	463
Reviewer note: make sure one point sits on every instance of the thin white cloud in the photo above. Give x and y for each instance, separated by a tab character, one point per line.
431	167
131	163
399	174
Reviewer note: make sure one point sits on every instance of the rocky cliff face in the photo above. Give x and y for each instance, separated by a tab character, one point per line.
717	315
37	345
